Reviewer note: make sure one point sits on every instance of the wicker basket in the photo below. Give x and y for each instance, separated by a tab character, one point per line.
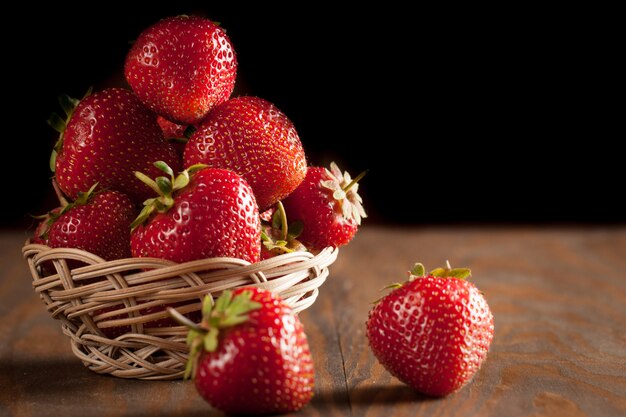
130	294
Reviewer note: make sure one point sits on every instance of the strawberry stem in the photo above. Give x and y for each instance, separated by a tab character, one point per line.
284	228
354	181
182	319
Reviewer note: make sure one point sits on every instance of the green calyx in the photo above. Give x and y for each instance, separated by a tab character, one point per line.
164	187
418	271
281	237
228	311
68	104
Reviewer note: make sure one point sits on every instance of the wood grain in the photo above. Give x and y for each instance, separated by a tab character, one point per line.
558	297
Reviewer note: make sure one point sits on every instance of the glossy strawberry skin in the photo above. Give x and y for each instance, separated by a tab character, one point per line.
314	205
102	226
110	136
215	215
252	137
432	333
181	67
261	366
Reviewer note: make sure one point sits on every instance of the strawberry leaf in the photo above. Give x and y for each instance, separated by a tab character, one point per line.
53	161
460	273
165	185
68	104
56	122
207	305
143	215
210	339
295	229
148	181
181	180
195	168
164	167
418	270
222	303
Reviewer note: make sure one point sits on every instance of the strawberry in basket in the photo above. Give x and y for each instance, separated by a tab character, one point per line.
181	67
328	205
201	213
252	137
97	222
106	137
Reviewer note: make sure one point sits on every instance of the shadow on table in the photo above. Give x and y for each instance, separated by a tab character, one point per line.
62	386
43	377
369	395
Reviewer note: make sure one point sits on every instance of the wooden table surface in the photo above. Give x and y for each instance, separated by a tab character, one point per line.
558	296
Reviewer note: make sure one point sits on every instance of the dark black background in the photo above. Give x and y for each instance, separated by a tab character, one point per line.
459	115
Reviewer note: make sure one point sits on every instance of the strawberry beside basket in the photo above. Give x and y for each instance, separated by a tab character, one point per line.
128	294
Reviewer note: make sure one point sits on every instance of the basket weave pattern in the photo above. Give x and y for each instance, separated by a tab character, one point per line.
116	294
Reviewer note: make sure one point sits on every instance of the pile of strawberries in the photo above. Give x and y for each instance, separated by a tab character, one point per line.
119	149
176	169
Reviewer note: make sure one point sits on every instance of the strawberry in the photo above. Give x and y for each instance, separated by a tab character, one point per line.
250	355
201	213
181	67
277	236
432	332
107	136
252	137
97	222
328	205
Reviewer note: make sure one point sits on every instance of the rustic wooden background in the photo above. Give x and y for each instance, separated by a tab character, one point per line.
558	296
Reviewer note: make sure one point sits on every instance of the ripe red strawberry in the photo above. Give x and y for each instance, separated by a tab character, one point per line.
250	355
329	206
181	67
252	137
210	214
432	332
97	222
108	136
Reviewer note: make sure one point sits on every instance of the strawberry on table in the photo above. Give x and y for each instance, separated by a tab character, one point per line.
329	206
201	213
108	136
433	331
252	137
250	355
181	67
